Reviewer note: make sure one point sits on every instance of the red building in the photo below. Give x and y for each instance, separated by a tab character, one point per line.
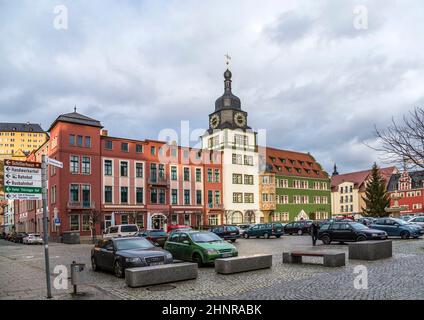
410	188
108	180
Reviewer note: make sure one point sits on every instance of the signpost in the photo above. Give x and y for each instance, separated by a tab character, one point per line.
28	181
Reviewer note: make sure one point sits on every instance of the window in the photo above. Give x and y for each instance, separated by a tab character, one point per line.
217	175
173	173
213	220
186	197
174	196
153	150
209	175
237	197
237	178
79	141
185	154
124	219
174	220
153	172
86	196
139	170
88	142
124	146
108	194
187	219
237	158
240	140
210	198
248	160
139	148
199	197
186	174
124	169
108	144
248	198
74	164
248	179
198	175
74	193
139	195
162	196
108	167
161	172
53	195
86	165
74	222
154	196
124	194
217	197
86	222
173	152
265	197
72	139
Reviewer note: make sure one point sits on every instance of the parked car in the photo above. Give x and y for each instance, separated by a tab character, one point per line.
226	232
243	227
265	230
155	236
406	217
398	228
19	236
348	231
365	221
300	227
117	254
33	238
121	230
419	220
175	227
202	247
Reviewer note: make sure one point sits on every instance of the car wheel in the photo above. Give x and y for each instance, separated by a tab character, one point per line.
361	238
278	236
119	270
246	236
266	235
290	234
94	265
326	239
300	232
233	240
198	259
405	235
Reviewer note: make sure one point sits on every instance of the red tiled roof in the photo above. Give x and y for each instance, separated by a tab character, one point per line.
303	162
359	177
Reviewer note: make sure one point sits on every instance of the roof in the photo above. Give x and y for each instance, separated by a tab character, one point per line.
417	178
77	118
21	127
358	178
292	163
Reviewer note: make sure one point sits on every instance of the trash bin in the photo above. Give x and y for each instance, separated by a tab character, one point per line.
71	237
78	273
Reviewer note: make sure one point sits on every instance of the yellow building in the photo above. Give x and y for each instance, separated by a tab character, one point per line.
19	139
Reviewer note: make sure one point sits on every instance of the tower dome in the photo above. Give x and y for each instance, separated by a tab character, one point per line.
228	100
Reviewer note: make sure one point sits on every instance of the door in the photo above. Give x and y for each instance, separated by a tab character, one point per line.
184	249
172	245
254	231
107	255
346	232
158	222
335	232
392	227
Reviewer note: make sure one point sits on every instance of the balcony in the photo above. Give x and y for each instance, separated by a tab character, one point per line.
215	206
158	181
81	205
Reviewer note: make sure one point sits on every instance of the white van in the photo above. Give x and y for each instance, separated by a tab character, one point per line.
121	230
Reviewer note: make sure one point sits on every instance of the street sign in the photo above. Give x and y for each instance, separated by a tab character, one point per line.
22	180
57	222
54	162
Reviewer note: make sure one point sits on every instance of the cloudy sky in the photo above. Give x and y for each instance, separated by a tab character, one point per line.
302	69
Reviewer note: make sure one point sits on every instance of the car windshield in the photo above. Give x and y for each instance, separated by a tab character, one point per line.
232	228
358	226
205	237
400	221
158	233
129	229
128	244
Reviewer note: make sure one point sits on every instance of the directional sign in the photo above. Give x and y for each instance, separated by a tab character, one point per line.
16	170
54	162
22	180
23	164
22	183
23	196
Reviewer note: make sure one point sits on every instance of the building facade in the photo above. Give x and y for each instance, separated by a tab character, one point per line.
348	190
17	140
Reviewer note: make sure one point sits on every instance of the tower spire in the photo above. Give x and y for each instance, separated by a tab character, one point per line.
335	173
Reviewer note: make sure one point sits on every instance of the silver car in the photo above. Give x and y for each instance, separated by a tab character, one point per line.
33	238
419	220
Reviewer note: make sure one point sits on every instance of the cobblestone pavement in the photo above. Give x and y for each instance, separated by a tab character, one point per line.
22	275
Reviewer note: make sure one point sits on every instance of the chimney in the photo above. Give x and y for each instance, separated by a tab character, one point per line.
104	133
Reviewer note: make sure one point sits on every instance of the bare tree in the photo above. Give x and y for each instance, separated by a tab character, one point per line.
95	217
403	143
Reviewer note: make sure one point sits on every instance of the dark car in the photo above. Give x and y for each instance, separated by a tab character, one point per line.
226	232
265	230
298	227
18	237
348	231
117	254
398	228
155	236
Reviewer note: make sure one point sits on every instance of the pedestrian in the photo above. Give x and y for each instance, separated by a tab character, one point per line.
314	232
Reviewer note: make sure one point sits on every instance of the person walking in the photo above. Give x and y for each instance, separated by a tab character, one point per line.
314	232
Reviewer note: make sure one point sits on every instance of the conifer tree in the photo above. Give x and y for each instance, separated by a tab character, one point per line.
376	197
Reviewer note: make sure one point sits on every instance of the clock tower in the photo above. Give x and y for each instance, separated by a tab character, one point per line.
228	113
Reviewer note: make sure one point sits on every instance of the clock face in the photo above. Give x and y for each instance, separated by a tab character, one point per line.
214	121
240	119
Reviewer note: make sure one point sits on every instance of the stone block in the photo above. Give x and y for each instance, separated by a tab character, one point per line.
243	264
370	250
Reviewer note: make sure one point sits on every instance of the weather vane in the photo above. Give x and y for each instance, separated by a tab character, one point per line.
228	58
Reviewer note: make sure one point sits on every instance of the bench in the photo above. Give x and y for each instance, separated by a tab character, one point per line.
370	250
243	264
146	276
331	259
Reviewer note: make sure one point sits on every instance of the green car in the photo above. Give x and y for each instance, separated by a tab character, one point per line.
202	247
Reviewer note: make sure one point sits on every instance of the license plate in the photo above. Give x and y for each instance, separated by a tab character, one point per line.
155	263
225	255
233	234
160	239
278	230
